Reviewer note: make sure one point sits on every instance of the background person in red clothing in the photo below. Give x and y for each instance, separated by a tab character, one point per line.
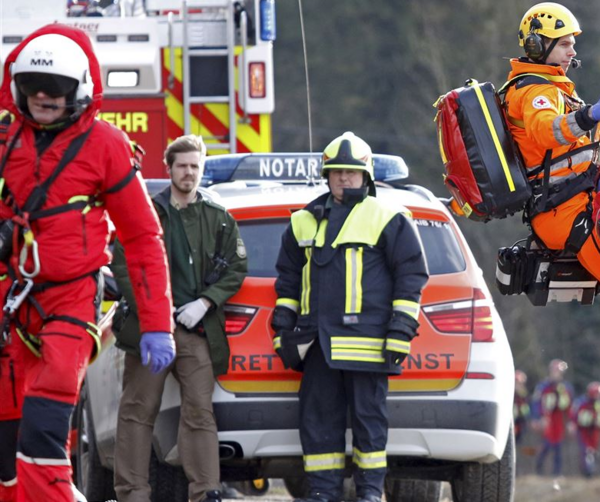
521	408
586	416
552	401
64	171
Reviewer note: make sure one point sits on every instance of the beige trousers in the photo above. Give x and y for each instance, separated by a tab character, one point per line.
197	439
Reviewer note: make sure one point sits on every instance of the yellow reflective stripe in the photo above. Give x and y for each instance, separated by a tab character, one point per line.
492	130
324	462
441	143
358	342
289	303
354	270
371	460
3	277
305	295
397	345
407	307
369	356
2	181
276	342
31	342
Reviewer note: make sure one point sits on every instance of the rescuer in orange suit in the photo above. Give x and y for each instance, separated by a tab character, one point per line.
62	172
547	119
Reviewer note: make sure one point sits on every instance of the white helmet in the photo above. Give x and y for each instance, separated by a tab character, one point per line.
59	58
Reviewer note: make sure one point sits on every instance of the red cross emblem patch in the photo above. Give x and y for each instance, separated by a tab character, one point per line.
541	102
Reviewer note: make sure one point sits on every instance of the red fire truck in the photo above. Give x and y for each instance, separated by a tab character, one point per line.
172	67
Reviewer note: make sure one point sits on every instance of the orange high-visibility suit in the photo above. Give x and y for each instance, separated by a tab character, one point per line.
545	113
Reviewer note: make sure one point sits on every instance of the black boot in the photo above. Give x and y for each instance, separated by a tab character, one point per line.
315	498
212	496
370	498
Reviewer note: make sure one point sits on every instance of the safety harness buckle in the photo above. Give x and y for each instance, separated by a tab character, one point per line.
14	301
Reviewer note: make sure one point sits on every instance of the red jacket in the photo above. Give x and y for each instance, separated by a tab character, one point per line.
74	243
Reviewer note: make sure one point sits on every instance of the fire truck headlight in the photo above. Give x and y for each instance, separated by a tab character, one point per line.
119	78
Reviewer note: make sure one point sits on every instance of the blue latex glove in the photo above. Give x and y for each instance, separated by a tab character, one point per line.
595	111
158	350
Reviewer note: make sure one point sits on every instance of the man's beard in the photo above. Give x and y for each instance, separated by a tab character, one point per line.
183	188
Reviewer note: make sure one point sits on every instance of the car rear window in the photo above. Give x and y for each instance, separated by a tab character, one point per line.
263	239
441	247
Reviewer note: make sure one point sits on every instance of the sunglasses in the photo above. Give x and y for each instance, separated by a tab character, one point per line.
54	86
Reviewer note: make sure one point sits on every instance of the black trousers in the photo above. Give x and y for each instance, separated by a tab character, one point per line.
328	397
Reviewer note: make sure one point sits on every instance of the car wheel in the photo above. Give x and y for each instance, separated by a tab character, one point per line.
167	482
412	490
488	482
253	487
297	486
93	479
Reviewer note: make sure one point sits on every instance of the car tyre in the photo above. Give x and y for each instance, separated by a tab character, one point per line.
297	486
493	482
412	490
253	487
93	479
167	482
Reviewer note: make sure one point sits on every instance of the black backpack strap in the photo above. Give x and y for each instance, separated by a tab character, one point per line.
546	182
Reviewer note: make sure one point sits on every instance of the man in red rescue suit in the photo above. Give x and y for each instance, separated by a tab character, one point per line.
585	414
551	126
11	401
552	399
79	170
350	274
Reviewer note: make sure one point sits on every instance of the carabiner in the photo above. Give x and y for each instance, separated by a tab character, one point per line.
14	301
31	242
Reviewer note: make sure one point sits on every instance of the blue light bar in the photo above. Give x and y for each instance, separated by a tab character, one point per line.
288	167
268	30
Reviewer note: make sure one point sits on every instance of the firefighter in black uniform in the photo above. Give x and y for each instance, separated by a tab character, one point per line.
350	274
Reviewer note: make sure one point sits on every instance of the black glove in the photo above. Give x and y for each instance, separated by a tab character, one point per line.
283	318
397	347
292	346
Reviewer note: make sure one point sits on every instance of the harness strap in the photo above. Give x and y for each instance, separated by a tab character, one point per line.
33	342
538	169
43	286
125	181
84	202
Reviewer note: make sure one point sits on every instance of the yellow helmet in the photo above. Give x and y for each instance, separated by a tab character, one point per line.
548	19
348	151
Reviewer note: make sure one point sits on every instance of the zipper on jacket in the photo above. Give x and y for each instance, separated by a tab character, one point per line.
12	380
36	172
84	234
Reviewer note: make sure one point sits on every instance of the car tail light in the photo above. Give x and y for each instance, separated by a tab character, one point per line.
256	72
483	327
467	316
237	318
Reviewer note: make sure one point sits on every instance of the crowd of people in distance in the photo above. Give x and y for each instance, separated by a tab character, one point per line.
555	413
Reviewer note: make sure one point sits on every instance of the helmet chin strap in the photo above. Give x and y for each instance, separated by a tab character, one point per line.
549	50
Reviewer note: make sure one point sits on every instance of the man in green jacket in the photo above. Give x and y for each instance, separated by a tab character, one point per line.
207	259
